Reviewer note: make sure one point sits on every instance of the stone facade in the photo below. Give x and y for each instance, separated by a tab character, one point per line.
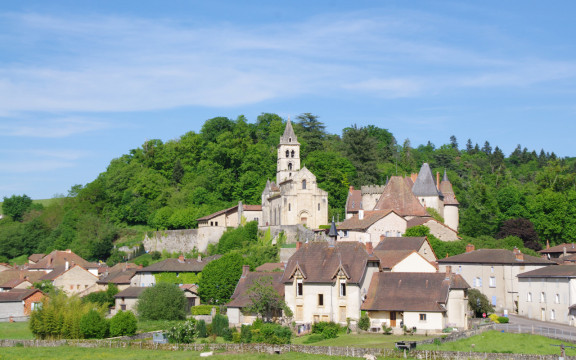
75	280
183	240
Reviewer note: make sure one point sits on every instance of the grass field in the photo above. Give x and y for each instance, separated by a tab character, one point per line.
497	342
379	341
15	330
44	202
111	354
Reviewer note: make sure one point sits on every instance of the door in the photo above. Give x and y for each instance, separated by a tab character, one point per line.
299	313
392	318
342	313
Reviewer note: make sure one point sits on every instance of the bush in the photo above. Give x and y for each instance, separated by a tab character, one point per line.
219	324
182	333
93	325
494	318
124	323
246	334
201	330
203	309
272	334
503	320
386	329
364	322
155	255
329	330
163	301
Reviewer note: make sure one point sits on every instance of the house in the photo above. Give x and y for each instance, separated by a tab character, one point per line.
327	281
404	261
5	266
428	301
19	303
236	312
127	299
419	244
232	217
147	276
191	294
493	272
558	252
63	259
369	226
548	294
34	258
71	280
120	275
18	279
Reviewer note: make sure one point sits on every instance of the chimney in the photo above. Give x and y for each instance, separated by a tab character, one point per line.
199	258
360	214
438	180
564	250
547	244
469	248
245	270
369	248
518	254
298	245
382	237
414	176
448	271
68	251
140	266
181	258
67	265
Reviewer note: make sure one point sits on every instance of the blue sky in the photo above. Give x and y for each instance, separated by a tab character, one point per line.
83	82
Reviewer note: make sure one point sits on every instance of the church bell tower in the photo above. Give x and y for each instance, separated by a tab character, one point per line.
288	155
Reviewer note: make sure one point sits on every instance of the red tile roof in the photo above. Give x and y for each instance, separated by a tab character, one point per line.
241	296
17	294
370	217
59	258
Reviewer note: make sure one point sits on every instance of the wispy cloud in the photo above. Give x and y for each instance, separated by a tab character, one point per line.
57	128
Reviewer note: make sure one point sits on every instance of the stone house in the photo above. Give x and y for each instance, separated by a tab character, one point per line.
18	279
147	276
120	275
232	217
559	252
127	299
63	259
494	272
327	281
420	244
369	226
548	294
19	303
428	301
71	280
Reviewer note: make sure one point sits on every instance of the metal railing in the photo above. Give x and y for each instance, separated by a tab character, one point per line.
555	333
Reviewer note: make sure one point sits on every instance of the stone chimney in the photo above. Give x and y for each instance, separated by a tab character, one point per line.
369	247
448	271
547	244
245	270
298	245
564	250
518	254
181	258
470	248
360	214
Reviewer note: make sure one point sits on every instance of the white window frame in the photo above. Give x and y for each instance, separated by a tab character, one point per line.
492	281
529	297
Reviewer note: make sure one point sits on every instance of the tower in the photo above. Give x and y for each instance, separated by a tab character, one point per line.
288	155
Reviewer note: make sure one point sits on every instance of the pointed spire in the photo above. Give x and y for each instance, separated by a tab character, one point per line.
333	233
424	184
289	137
445	178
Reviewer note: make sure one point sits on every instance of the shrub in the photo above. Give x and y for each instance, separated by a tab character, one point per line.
203	309
503	320
182	333
93	325
201	330
219	324
124	323
387	330
329	330
246	334
494	318
364	322
228	333
155	255
163	301
272	334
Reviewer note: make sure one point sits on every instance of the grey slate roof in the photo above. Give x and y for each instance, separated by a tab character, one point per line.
424	184
551	271
448	191
289	137
493	256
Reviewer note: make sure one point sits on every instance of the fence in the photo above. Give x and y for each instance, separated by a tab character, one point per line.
559	334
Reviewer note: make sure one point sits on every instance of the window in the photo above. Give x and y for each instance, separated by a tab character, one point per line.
289	139
345	233
123	307
542	297
492	269
320	299
529	297
290	166
289	207
342	288
211	223
492	281
36	306
552	315
292	153
422	317
304	184
287	153
557	299
216	223
299	287
460	269
318	206
478	282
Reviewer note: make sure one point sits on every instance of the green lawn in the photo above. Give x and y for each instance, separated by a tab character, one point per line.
72	353
379	341
15	330
497	342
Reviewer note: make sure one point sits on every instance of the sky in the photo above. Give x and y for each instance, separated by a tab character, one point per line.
83	82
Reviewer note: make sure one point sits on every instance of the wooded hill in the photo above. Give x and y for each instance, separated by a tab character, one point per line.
167	185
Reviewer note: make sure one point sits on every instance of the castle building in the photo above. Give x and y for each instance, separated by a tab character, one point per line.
295	198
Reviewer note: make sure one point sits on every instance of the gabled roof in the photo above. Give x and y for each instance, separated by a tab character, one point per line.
448	191
271	267
289	137
570	248
370	217
494	256
390	291
241	296
61	270
232	209
36	257
17	294
59	258
118	277
401	243
13	283
319	261
8	276
397	196
178	265
389	258
130	292
424	184
354	201
564	271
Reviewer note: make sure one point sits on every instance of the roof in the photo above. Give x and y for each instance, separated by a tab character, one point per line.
8	276
231	210
130	292
319	262
401	243
241	296
398	196
390	291
177	265
389	258
118	277
493	256
570	248
60	270
17	294
268	267
448	191
551	271
193	288
370	217
13	283
36	257
423	220
424	184
289	137
59	258
354	201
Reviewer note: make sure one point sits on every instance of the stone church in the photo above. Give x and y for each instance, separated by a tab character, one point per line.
295	198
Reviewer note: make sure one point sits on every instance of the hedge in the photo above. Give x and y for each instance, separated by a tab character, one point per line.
204	309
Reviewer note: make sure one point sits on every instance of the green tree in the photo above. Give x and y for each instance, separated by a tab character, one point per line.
312	134
163	301
479	303
219	279
264	299
124	323
16	206
93	325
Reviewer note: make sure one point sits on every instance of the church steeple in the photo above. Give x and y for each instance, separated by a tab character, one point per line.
288	154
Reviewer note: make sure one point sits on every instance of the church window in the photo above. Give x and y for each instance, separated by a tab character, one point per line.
304	184
289	207
292	153
287	153
289	139
290	166
318	206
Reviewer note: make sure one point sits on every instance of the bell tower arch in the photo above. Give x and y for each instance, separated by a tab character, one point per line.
288	154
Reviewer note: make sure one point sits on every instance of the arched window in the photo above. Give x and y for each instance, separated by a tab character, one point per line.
304	184
292	153
288	153
290	166
542	297
289	207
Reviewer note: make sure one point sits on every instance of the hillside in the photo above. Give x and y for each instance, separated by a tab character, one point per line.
169	185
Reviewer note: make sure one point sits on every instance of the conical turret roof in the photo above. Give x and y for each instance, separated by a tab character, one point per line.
424	184
448	191
289	137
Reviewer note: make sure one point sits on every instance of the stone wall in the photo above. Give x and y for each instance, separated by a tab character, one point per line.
183	240
293	232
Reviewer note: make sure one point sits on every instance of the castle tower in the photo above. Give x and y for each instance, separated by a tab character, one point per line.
426	190
451	216
288	155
